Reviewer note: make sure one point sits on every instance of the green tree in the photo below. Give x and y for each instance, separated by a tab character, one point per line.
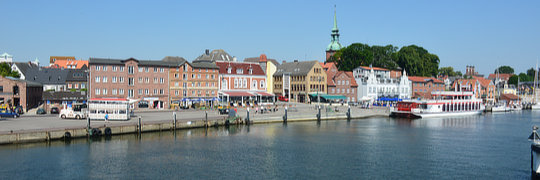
383	56
530	72
524	77
447	71
513	80
5	70
505	70
459	73
417	61
352	56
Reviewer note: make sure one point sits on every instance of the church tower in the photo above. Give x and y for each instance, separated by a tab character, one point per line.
334	44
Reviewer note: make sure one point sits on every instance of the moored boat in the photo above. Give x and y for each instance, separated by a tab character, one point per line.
442	104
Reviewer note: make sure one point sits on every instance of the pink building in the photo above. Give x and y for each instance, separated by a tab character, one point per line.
242	83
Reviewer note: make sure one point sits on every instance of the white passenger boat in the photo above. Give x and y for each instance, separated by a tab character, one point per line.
442	104
500	108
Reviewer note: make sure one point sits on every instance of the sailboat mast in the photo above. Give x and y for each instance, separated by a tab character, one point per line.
535	80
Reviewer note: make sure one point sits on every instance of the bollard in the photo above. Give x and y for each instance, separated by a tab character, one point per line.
319	114
247	118
285	116
139	125
206	118
88	126
174	114
349	113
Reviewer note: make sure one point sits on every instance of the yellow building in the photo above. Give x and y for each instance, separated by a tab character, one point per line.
296	80
269	66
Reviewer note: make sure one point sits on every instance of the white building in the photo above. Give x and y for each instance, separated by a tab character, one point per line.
6	58
374	83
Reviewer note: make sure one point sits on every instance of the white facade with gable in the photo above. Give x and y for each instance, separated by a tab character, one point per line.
378	84
6	58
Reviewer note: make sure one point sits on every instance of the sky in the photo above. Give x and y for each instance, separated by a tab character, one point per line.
485	34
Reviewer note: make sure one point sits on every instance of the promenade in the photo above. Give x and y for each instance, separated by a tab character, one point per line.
31	128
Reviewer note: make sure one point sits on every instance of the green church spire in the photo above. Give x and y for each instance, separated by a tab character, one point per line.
334	44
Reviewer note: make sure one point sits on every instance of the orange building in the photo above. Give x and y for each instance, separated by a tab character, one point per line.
423	86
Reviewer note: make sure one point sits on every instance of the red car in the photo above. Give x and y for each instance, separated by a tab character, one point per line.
283	98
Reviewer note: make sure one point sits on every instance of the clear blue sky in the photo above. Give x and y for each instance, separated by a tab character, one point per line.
485	34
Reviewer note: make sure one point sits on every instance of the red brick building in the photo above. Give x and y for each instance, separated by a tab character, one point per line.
144	81
17	92
423	86
193	81
340	82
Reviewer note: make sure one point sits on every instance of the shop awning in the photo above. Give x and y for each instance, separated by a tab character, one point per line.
238	94
264	94
328	96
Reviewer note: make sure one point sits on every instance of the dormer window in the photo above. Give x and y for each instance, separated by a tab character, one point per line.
250	71
229	70
239	71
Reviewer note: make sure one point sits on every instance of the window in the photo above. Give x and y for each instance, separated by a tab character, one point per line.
155	91
192	76
334	90
121	68
198	76
161	70
184	76
229	70
131	82
113	79
161	91
245	83
97	79
121	91
235	83
155	80
254	84
140	92
146	91
337	90
184	85
114	68
147	80
104	68
140	69
224	84
161	80
104	79
130	92
146	69
207	75
121	79
83	85
262	83
98	67
184	93
155	69
97	91
212	76
176	75
140	80
69	85
130	69
239	71
176	93
76	85
185	68
113	91
104	91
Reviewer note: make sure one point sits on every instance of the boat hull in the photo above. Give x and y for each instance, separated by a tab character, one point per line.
405	114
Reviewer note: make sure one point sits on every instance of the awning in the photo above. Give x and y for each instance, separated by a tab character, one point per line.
238	93
328	96
264	94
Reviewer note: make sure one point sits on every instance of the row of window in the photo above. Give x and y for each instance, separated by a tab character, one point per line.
120	79
184	77
212	84
130	68
76	85
199	93
388	89
428	85
242	83
239	70
348	90
105	91
343	82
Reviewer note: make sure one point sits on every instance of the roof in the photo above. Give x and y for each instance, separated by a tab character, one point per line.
64	63
374	68
501	76
424	79
329	74
327	65
6	54
202	64
483	81
237	93
28	83
300	68
261	58
77	75
331	78
24	66
215	55
63	95
256	68
47	75
173	61
509	97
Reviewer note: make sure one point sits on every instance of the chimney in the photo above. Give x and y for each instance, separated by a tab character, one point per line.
207	51
296	60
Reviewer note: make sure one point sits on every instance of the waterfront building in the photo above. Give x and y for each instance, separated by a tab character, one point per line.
19	92
195	82
340	82
77	79
423	86
296	80
242	83
375	83
269	66
334	44
23	67
7	58
142	81
483	88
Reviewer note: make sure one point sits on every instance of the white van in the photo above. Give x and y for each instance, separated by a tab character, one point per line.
78	112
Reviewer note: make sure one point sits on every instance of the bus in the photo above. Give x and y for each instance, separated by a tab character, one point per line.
117	108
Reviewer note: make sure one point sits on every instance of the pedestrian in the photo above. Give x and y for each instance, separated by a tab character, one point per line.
106	117
256	109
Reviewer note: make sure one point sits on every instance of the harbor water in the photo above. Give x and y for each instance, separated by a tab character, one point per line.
488	146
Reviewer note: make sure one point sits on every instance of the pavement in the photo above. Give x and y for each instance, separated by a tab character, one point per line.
31	122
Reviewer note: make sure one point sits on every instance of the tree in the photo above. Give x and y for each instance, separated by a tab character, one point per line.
513	80
505	70
530	72
5	70
458	73
447	71
417	61
383	56
352	56
524	77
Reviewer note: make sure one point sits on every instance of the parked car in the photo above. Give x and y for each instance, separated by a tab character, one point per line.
8	113
72	113
283	98
55	110
41	111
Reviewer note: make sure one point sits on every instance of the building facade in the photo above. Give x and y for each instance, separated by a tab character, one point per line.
296	80
7	58
18	92
145	81
340	82
423	86
194	82
375	83
242	83
77	80
269	67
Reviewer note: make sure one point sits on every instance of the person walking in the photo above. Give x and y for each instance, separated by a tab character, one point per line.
106	117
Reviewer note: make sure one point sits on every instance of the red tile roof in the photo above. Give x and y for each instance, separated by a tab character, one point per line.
483	81
348	73
63	63
257	70
509	97
501	76
327	65
424	79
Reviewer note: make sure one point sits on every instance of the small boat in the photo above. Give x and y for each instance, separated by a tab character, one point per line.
500	108
443	104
